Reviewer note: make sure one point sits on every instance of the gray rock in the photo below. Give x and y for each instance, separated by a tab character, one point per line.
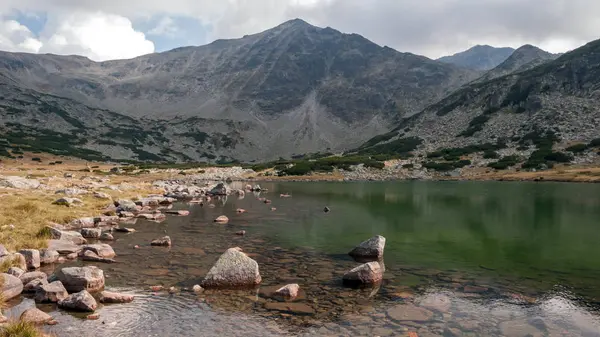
89	255
34	275
125	205
32	258
3	251
103	196
81	301
220	189
35	316
71	191
87	222
370	249
64	247
100	249
91	233
34	285
50	292
19	183
74	279
288	292
110	297
106	237
365	274
74	237
48	256
409	312
67	201
11	287
15	271
164	241
233	269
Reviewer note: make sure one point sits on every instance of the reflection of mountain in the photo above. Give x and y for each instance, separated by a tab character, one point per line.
511	228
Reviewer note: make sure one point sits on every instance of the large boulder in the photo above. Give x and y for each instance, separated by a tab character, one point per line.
15	271
34	275
220	189
48	256
74	237
19	183
110	297
81	301
32	258
74	279
365	274
233	269
64	247
125	205
11	287
34	285
371	249
89	255
100	249
87	222
91	233
35	316
50	292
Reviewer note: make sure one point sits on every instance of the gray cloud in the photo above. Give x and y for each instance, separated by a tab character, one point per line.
432	28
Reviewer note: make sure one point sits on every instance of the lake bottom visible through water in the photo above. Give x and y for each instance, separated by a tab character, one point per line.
426	289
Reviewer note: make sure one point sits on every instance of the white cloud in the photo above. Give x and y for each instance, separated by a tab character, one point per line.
15	37
97	35
165	27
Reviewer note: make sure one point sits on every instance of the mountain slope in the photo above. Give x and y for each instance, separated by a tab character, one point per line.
479	57
292	89
558	101
524	58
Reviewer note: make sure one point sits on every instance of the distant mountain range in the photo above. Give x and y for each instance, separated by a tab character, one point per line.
290	90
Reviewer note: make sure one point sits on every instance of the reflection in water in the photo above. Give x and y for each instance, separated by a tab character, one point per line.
475	259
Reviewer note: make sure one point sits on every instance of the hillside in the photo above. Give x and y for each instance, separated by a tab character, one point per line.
524	58
292	89
534	115
479	57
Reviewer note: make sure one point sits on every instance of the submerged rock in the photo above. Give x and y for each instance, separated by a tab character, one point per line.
291	308
74	279
100	249
110	297
81	301
89	255
50	292
180	212
35	316
222	219
409	312
11	287
288	292
233	269
32	258
365	274
370	249
165	241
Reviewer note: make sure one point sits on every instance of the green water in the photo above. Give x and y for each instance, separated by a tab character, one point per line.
546	233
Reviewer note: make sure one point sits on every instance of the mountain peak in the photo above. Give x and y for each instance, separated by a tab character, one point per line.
479	57
295	23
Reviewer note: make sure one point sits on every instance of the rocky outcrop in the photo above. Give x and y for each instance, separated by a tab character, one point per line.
64	247
35	316
67	201
91	233
32	258
371	250
50	292
110	297
11	287
74	279
233	269
19	183
100	249
82	301
125	205
74	237
48	256
288	292
165	241
34	275
365	274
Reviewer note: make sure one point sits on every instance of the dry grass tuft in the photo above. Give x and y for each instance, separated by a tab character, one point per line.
20	329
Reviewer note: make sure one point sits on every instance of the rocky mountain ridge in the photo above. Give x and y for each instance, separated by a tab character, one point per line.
479	57
289	90
524	58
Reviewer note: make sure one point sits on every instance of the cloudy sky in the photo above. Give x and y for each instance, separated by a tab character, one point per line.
110	29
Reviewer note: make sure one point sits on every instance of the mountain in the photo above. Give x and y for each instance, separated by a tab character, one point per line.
549	106
524	58
479	57
289	90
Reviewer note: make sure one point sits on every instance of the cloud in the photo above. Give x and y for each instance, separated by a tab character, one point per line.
432	28
15	37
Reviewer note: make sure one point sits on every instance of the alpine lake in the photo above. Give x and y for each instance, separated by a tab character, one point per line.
461	259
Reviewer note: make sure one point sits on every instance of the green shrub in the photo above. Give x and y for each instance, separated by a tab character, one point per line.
504	163
36	159
577	148
595	142
438	166
408	166
490	154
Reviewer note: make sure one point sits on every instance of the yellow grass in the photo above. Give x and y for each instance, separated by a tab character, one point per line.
20	329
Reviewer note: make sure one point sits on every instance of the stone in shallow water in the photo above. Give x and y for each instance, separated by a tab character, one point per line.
91	233
34	275
233	269
365	274
32	258
74	279
100	249
292	308
110	297
288	292
409	312
222	219
81	301
48	256
50	292
180	213
369	249
11	286
35	316
437	302
89	255
165	241
106	237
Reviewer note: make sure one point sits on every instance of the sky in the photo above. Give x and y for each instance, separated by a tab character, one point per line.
117	29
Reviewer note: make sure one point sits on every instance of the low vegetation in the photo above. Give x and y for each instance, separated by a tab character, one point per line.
505	162
577	148
20	329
